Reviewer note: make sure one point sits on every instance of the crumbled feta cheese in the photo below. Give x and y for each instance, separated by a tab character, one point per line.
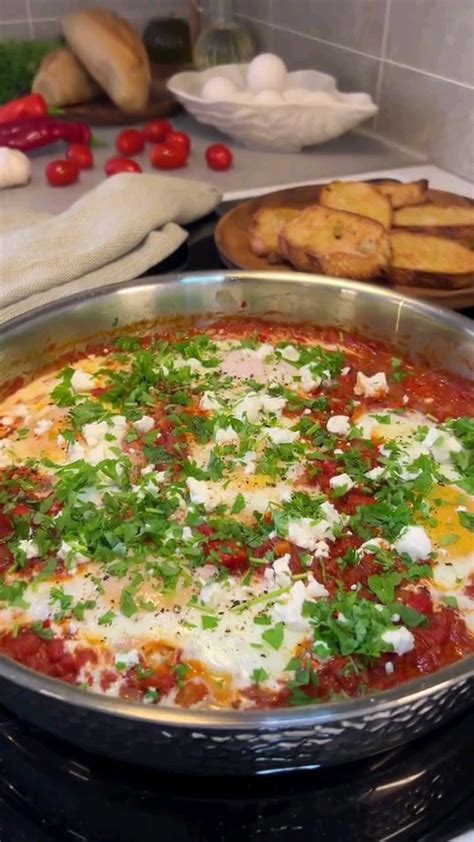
375	473
441	444
341	618
187	533
209	592
97	435
252	407
286	494
249	460
405	399
345	371
342	481
199	493
290	353
290	611
373	544
282	570
339	425
225	435
395	618
209	402
144	424
42	426
29	547
262	352
308	382
306	533
415	542
281	435
401	639
81	381
127	660
371	387
389	668
6	421
67	552
321	550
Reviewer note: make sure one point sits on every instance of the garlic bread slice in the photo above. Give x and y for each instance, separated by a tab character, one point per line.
357	197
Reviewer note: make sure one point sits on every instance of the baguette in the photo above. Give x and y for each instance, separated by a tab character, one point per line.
113	54
359	198
402	194
452	221
336	243
62	80
265	228
422	260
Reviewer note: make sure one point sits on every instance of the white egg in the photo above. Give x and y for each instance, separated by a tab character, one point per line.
266	72
269	98
218	88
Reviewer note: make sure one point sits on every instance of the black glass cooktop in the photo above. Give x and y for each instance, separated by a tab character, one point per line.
52	792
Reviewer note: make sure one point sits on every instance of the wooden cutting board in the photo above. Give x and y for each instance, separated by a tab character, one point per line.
103	112
231	237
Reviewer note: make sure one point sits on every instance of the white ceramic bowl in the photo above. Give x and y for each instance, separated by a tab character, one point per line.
285	127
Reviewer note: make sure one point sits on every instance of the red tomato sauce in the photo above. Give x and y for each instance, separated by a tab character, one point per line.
49	657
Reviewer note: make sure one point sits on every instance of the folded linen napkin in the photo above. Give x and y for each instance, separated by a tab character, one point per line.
113	233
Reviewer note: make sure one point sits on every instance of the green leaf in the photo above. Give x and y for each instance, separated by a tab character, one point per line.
383	586
409	616
181	671
41	631
106	619
238	505
259	675
466	519
450	601
128	606
274	636
208	622
262	620
447	540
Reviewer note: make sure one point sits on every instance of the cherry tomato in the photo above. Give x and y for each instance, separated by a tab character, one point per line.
81	155
62	173
165	157
130	142
179	140
155	131
119	164
219	157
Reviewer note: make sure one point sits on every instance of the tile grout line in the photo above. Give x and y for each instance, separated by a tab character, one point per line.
30	18
366	55
383	53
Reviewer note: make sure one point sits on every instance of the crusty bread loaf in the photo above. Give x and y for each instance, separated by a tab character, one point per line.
336	243
62	80
453	221
265	230
422	260
113	54
357	197
401	194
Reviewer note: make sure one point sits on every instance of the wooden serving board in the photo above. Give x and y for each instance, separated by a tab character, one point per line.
231	237
103	112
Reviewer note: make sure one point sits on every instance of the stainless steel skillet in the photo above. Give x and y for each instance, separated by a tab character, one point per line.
231	742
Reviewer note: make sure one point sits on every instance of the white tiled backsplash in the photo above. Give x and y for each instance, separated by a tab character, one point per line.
415	57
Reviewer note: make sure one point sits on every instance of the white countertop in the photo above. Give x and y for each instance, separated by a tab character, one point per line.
353	155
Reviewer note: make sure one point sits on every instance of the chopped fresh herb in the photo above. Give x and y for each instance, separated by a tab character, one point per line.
42	631
274	636
209	622
259	675
466	519
238	505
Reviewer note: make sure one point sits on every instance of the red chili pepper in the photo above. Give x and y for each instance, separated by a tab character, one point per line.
32	134
27	108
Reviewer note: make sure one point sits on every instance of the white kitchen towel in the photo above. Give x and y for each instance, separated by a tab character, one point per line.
114	233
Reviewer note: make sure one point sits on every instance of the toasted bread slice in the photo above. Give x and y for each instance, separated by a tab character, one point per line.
265	229
402	194
453	221
422	260
336	243
357	197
